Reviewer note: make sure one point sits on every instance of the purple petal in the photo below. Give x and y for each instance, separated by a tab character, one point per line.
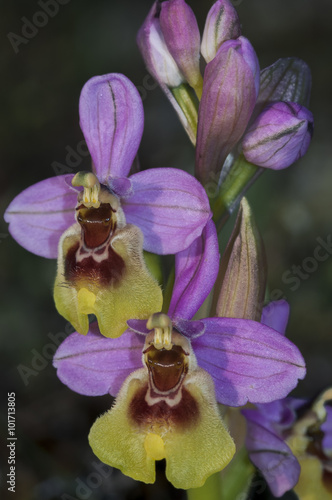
121	186
190	329
138	326
94	365
222	24
157	57
112	120
250	57
278	412
327	429
273	458
169	206
287	79
180	30
248	361
279	136
160	62
196	270
275	315
228	99
39	215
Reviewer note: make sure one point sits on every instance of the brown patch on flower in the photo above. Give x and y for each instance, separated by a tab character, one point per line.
159	415
96	223
104	271
166	367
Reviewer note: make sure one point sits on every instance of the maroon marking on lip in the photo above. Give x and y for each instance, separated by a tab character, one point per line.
166	367
108	272
96	224
183	415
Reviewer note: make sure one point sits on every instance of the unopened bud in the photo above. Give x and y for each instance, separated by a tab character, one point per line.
241	283
222	23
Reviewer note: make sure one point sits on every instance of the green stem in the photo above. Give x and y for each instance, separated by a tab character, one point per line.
154	265
229	484
188	102
198	88
237	477
237	181
168	291
210	491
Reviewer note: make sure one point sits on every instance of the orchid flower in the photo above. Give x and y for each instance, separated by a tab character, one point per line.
167	408
289	440
101	269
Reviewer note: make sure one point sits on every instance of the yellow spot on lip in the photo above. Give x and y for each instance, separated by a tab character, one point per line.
154	446
86	301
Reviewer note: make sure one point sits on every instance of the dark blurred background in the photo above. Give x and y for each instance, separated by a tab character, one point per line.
41	83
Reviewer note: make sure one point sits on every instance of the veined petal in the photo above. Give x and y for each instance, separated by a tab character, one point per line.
222	24
94	365
240	287
228	99
39	215
157	57
272	456
161	64
288	79
169	206
196	270
248	361
275	315
180	29
112	120
279	136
